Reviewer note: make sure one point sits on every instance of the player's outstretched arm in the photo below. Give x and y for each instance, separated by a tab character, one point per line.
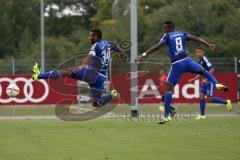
152	49
117	49
202	41
121	52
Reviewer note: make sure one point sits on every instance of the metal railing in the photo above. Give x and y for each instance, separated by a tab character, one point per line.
24	66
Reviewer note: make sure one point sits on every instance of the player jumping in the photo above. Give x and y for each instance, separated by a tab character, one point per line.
181	63
207	88
93	69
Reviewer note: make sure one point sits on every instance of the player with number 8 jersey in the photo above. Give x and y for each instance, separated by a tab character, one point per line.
180	62
176	42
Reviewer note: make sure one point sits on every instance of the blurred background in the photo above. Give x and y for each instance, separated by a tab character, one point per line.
67	23
53	31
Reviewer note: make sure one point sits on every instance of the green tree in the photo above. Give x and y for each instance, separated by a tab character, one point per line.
215	20
67	36
17	18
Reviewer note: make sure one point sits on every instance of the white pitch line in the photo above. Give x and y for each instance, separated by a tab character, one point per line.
108	115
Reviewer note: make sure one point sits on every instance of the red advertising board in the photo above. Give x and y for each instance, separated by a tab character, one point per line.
149	90
37	92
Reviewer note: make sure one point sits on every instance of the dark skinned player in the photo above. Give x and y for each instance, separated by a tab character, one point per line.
93	69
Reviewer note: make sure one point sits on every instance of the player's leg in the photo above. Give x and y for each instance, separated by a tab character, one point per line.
167	104
97	88
202	103
98	100
210	89
173	77
96	83
194	67
56	74
227	103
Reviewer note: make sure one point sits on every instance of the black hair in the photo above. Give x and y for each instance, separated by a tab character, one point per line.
200	48
98	32
170	23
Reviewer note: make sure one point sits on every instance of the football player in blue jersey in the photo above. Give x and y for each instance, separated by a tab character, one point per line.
207	88
181	63
93	69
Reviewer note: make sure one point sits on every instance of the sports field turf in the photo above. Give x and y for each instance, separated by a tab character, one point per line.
114	139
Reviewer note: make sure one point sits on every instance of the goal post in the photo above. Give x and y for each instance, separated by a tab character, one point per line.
134	53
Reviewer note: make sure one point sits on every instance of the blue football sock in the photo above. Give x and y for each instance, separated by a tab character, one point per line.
104	100
218	100
168	100
202	107
210	77
51	74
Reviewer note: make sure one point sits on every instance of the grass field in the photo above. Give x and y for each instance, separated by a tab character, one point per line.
112	139
48	110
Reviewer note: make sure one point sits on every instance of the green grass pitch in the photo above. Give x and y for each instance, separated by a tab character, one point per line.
113	139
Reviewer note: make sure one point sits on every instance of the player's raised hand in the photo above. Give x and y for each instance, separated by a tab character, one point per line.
140	57
212	47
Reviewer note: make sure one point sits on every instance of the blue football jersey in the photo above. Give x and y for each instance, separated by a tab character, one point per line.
205	63
176	42
102	49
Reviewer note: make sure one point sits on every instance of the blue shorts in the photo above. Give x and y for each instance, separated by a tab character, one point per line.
183	66
93	78
207	89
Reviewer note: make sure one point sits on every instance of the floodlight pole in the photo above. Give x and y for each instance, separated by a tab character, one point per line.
134	53
42	36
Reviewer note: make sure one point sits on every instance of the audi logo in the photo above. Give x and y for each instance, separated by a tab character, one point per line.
27	90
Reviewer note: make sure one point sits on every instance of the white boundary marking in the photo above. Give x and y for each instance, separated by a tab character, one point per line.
109	115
